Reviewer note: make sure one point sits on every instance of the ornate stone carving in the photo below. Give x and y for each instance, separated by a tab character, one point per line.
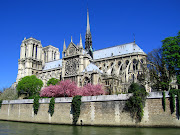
72	50
71	67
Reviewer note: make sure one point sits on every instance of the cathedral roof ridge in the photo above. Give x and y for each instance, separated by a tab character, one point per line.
115	46
117	50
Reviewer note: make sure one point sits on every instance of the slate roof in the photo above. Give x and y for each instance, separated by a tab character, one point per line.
53	64
92	67
117	50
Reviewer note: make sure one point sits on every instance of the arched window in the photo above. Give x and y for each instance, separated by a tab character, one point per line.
127	62
44	56
86	80
112	71
25	50
119	63
36	52
135	64
55	56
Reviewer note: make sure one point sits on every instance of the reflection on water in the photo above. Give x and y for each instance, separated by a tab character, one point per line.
17	128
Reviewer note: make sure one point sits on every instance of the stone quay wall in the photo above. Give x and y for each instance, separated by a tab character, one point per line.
105	110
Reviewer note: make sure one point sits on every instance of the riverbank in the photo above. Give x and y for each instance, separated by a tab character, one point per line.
105	110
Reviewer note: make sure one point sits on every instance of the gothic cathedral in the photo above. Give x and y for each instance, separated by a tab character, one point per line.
115	67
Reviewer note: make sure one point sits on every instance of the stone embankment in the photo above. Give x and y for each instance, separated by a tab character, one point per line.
106	110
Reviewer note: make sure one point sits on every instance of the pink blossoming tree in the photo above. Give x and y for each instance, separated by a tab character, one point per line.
68	88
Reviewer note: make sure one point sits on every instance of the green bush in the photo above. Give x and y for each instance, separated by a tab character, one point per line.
29	85
0	103
36	104
164	101
173	93
9	94
76	104
178	103
136	102
51	106
133	87
52	81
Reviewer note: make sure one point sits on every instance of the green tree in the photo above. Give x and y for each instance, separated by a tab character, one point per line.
29	84
9	94
171	55
53	81
136	102
159	75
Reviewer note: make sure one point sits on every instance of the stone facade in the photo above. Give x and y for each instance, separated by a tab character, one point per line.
116	67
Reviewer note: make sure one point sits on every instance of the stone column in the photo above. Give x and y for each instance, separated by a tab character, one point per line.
49	55
80	63
52	55
22	53
38	52
46	56
57	55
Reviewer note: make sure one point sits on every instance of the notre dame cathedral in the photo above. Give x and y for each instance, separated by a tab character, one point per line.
115	67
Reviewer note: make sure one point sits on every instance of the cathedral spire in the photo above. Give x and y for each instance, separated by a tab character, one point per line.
71	39
64	46
80	44
88	25
88	42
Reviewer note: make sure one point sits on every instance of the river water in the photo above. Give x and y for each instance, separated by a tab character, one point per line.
17	128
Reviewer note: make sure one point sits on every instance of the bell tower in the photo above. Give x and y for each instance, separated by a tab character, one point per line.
30	61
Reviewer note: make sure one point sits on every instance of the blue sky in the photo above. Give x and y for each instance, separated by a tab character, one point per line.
112	22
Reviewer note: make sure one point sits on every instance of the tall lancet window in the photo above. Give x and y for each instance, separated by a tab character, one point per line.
55	56
25	50
44	56
36	51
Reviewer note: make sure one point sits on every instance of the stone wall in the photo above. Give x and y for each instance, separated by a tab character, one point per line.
107	110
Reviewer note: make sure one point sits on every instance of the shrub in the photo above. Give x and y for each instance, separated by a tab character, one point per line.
178	103
53	81
30	85
133	87
9	94
136	103
36	104
76	104
164	101
51	106
0	103
172	94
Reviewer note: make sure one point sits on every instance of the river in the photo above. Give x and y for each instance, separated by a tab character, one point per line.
17	128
